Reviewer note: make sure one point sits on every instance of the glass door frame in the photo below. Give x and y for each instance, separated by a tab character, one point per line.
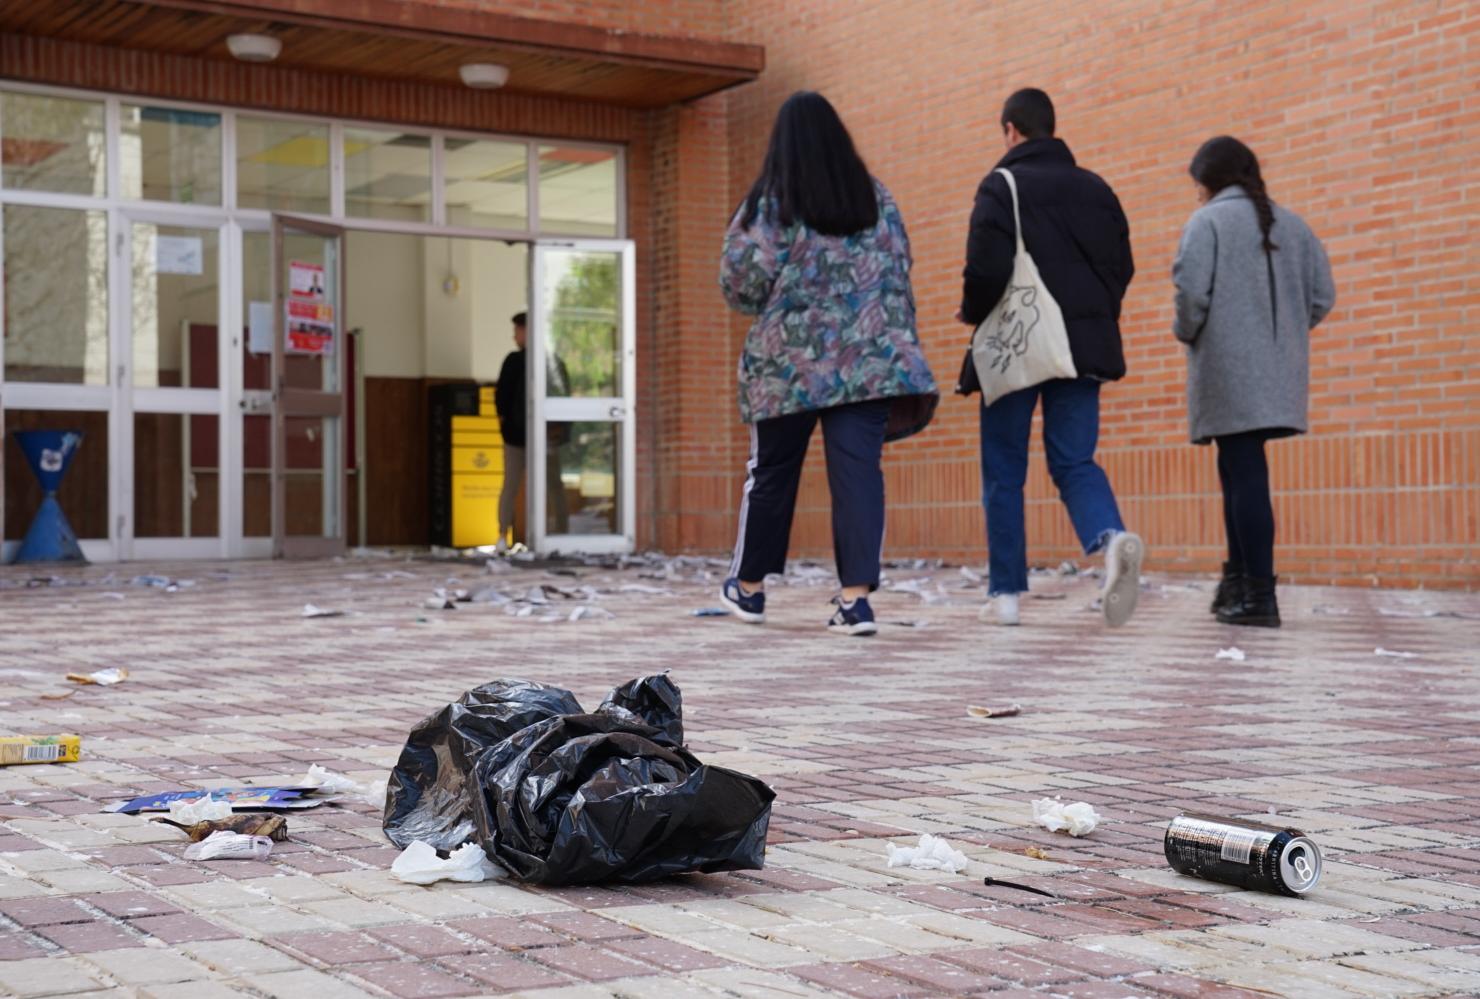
169	400
607	409
298	402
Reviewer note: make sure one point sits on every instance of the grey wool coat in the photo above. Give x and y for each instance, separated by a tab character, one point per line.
1245	370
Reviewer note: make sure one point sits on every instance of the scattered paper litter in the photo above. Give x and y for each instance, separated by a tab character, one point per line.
932	854
193	810
420	865
226	845
1078	819
978	711
585	611
1390	654
314	610
103	677
329	781
375	792
1235	653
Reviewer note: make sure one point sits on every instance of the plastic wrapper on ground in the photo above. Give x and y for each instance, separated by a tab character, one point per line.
575	798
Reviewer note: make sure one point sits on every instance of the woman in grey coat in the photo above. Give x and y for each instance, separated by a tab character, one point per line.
1252	281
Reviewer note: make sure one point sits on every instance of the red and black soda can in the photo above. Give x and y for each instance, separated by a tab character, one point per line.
1246	854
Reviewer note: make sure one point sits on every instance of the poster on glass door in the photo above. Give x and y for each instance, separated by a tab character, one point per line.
310	319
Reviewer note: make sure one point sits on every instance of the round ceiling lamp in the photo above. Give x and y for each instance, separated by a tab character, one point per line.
484	75
254	48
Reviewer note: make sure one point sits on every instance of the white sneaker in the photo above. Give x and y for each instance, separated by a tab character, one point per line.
1123	557
1001	609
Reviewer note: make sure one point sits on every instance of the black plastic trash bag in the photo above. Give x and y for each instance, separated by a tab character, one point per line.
577	798
427	797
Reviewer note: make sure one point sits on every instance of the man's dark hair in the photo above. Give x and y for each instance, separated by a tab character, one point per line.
520	319
1031	112
812	173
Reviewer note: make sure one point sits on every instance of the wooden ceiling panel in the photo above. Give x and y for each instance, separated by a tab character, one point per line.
198	28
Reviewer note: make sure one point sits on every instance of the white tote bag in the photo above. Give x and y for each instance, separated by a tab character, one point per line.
1023	340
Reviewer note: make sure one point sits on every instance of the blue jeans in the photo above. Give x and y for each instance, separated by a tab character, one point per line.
1071	428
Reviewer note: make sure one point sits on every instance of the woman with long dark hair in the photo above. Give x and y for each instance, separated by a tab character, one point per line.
1252	281
817	252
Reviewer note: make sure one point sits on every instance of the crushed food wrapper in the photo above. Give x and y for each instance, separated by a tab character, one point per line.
1390	654
230	846
102	677
193	810
1078	819
314	610
1235	653
329	781
420	865
931	854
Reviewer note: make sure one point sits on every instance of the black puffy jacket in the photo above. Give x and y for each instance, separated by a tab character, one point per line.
1076	233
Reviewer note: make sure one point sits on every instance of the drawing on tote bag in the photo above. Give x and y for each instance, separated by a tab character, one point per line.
1023	340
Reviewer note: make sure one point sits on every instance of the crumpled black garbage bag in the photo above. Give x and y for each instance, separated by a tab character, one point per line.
574	798
427	797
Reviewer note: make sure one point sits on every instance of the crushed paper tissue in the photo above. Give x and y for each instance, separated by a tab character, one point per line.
329	781
227	845
420	865
1235	653
1078	819
932	854
195	810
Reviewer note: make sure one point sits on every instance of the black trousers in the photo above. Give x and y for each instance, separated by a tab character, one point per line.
1248	514
853	437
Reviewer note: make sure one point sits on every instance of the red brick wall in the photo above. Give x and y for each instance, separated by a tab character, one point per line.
1367	119
700	18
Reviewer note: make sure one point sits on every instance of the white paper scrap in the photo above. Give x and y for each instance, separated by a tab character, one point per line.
1235	653
196	810
1078	819
932	854
420	865
1390	654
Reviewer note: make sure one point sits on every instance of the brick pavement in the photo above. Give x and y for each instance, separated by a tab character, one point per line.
866	741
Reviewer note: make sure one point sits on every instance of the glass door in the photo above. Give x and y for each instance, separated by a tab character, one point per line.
308	376
582	383
172	389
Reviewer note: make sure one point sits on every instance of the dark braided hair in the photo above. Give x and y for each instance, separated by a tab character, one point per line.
1223	161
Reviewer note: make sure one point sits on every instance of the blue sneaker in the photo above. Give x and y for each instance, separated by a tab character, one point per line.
749	608
856	618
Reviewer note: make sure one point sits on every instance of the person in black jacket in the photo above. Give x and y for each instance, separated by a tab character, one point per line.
509	401
1077	234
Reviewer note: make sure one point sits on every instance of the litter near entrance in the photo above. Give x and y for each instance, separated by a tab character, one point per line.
420	865
313	610
193	810
274	827
230	846
1390	654
16	750
556	795
1007	711
1245	854
1078	819
102	677
932	853
999	883
1236	654
329	782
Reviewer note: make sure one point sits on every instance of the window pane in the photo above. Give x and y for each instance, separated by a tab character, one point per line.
387	175
487	183
581	478
83	493
282	165
176	475
52	144
175	317
56	295
582	309
171	155
578	191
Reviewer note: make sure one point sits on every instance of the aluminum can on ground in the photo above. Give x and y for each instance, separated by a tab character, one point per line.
1246	854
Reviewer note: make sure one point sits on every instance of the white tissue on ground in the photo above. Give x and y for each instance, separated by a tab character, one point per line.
375	792
420	865
329	781
1078	819
932	854
198	810
1235	653
225	845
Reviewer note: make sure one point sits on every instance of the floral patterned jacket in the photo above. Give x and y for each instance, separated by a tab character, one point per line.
835	319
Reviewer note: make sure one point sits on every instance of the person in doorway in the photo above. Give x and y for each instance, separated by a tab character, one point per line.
1078	236
509	396
1251	280
817	252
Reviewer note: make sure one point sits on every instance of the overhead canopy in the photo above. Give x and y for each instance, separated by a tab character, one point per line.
405	39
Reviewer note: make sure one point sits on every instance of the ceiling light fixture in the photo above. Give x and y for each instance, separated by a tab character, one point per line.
254	48
484	75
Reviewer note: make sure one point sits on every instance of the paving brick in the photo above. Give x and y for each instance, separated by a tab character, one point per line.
132	904
415	980
670	955
504	972
32	912
588	962
180	928
337	948
509	933
82	938
859	980
939	977
584	926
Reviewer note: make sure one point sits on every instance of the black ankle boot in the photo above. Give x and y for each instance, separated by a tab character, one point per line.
1256	604
1230	588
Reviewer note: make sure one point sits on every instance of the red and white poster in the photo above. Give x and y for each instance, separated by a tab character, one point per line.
310	320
